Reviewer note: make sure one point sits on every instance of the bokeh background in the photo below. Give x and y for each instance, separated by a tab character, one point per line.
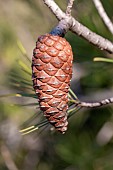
88	143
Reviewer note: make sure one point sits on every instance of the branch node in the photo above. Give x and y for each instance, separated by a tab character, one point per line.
62	28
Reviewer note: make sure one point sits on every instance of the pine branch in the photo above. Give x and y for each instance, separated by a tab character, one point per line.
80	29
103	15
69	7
95	104
55	9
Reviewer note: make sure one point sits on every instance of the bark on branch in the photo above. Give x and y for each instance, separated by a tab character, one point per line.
69	7
80	29
103	15
94	104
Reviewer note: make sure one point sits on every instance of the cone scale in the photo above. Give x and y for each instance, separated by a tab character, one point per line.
51	75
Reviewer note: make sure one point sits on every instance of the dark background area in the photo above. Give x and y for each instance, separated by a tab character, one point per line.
88	143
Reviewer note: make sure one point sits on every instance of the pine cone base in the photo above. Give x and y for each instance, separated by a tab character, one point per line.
51	75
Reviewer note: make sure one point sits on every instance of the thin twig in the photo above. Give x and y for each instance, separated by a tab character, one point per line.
55	9
69	7
103	15
95	104
80	29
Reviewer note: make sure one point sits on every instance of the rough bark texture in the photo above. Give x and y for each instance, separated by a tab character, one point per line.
51	75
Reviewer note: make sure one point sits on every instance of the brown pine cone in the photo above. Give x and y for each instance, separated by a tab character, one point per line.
51	75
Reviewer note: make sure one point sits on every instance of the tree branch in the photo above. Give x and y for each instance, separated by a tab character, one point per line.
69	7
92	37
80	29
103	15
55	9
95	104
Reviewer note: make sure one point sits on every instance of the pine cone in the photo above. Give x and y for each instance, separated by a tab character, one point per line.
51	75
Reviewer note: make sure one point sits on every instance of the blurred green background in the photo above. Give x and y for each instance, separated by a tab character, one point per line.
88	143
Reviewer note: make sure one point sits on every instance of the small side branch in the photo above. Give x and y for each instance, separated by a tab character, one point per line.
69	7
95	104
103	15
